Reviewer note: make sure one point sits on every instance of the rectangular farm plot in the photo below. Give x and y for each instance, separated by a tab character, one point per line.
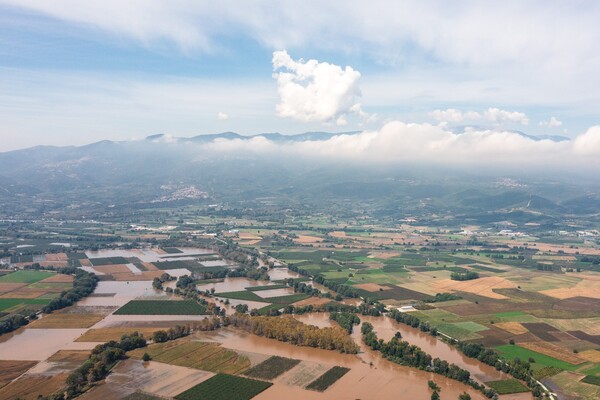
328	378
66	321
513	351
272	368
199	355
161	307
508	386
26	276
7	304
225	387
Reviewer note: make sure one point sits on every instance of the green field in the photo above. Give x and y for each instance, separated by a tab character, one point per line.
266	287
161	307
242	295
289	299
200	355
592	380
265	310
328	378
6	304
225	387
26	276
271	368
512	351
508	386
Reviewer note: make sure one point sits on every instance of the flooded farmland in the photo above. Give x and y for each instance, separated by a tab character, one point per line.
381	380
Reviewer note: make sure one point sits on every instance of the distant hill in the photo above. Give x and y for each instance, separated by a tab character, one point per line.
107	176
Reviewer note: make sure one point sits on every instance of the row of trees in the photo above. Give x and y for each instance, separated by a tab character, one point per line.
403	353
517	368
464	276
345	319
99	364
288	329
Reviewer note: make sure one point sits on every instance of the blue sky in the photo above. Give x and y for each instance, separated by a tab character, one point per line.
75	72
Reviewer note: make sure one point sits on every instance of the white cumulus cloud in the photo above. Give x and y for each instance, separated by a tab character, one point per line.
553	122
492	114
316	91
221	116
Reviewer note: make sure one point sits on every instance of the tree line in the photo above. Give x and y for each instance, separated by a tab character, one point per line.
288	329
403	353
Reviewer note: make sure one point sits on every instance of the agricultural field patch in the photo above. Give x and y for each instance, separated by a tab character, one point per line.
199	355
328	378
66	321
508	386
552	350
541	330
569	383
115	333
161	307
592	380
266	287
242	295
10	370
225	387
7	304
26	276
515	328
30	386
107	261
590	355
271	368
512	351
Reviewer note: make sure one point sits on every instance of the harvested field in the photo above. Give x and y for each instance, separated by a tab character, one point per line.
578	304
371	287
69	356
585	288
66	321
106	334
112	269
305	239
494	337
29	387
58	278
303	374
512	327
315	301
384	255
10	286
10	370
590	326
56	257
554	351
24	293
584	336
590	355
482	286
199	355
271	368
541	330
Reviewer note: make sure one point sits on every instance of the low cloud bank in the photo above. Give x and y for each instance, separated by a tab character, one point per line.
400	142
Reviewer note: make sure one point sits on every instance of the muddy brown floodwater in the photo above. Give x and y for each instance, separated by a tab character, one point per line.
386	328
381	380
